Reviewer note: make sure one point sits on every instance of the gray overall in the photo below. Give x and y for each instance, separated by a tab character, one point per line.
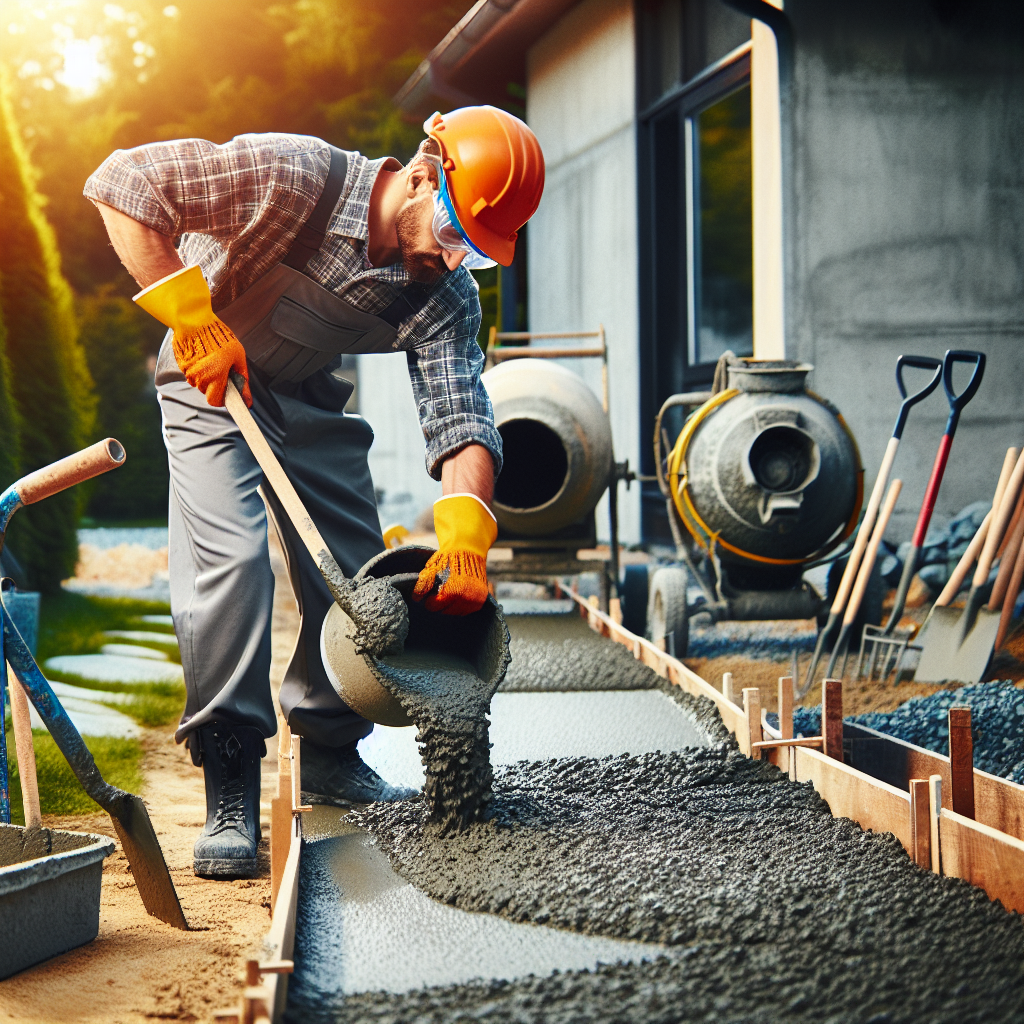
222	587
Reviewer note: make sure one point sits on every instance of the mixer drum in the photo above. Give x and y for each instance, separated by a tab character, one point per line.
771	469
557	446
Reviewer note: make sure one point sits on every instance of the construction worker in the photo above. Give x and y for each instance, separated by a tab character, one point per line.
271	256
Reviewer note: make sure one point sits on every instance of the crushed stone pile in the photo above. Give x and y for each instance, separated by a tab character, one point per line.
776	910
770	640
997	724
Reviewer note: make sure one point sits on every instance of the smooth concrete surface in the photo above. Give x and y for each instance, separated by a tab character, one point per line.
362	928
538	726
583	238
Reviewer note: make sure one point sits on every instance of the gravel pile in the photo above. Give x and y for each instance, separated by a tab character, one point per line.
997	724
776	910
770	641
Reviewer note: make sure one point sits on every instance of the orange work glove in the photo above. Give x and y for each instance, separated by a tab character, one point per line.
205	348
454	581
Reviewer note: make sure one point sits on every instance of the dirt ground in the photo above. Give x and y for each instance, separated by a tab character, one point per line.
139	969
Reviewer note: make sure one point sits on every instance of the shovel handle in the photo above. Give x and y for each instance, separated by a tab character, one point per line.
970	556
918	363
1011	599
1000	520
99	458
958	401
1008	548
864	575
275	474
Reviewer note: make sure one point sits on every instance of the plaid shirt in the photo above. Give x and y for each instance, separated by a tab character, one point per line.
235	210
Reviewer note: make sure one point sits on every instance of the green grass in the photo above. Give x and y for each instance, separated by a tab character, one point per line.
75	623
119	762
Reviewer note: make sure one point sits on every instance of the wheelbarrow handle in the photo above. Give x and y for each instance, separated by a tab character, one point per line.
957	402
909	401
58	476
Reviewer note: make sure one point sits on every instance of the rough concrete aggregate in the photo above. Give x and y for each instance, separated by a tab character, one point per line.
561	652
772	641
780	911
377	610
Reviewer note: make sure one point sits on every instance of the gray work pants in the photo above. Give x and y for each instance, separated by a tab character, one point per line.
222	587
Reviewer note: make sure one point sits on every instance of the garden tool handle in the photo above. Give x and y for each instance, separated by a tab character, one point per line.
275	474
58	476
864	575
1009	546
918	363
969	557
1010	600
1000	520
957	402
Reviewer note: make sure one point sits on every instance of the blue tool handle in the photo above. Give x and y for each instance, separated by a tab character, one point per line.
918	363
5	778
957	402
54	717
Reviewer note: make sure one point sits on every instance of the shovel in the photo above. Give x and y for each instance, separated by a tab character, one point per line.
127	811
956	406
960	642
850	572
377	609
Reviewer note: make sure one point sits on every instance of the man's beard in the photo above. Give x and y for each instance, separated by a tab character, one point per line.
420	266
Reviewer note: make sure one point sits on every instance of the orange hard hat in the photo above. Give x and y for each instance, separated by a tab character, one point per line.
494	172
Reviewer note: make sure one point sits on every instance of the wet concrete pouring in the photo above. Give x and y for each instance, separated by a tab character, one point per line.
746	899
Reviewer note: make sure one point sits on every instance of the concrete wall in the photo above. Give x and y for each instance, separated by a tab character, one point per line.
583	238
905	223
396	457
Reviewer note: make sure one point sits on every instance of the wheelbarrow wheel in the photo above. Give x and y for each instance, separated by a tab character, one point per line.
668	616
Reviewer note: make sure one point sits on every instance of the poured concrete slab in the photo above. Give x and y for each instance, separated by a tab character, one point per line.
109	668
362	928
538	726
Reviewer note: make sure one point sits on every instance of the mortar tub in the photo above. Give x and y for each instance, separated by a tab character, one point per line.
49	893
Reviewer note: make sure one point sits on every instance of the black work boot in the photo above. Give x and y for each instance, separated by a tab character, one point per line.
230	757
339	776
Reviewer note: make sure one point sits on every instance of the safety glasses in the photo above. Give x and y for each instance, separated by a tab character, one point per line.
448	232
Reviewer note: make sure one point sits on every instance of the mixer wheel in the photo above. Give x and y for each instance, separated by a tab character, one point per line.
667	611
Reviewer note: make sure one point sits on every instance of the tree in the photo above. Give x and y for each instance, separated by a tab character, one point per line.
49	378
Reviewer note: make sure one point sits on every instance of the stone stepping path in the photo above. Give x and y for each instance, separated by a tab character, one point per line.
115	668
141	636
157	620
89	717
134	651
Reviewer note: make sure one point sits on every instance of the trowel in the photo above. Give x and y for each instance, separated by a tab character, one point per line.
378	616
375	626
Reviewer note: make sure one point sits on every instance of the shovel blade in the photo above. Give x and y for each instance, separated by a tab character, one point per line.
945	658
146	859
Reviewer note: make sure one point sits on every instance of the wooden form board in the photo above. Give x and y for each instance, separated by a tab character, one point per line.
972	850
280	941
983	856
998	802
852	794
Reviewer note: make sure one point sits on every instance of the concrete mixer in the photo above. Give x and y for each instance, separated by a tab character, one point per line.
763	481
558	463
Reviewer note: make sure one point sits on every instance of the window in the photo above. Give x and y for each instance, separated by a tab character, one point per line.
696	237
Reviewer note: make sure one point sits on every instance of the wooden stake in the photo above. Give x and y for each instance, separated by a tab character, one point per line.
752	709
934	811
281	810
832	718
920	824
786	707
26	752
961	761
727	687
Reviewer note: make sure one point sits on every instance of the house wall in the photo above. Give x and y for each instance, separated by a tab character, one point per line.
404	490
583	238
905	223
